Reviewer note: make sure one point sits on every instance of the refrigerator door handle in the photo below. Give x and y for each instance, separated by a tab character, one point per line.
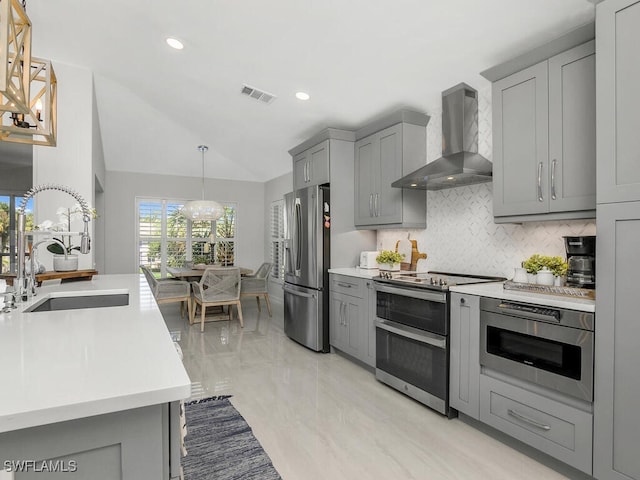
298	243
298	293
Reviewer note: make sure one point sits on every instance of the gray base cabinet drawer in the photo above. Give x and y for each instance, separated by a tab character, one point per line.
347	285
552	427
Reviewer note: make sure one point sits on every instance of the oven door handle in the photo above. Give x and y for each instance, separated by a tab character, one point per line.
413	293
526	311
412	333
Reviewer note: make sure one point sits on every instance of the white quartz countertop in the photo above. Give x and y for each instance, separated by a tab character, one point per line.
356	272
495	290
63	365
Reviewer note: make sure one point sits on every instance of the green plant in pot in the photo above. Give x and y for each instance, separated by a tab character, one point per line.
389	260
536	262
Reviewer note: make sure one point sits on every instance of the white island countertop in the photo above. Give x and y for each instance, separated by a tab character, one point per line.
68	364
496	290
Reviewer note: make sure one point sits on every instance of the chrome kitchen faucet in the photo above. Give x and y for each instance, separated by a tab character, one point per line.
22	286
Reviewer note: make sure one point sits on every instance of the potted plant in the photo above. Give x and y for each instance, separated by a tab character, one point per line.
536	263
63	258
389	260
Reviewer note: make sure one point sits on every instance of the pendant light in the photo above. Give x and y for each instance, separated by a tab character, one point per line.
15	56
30	79
201	210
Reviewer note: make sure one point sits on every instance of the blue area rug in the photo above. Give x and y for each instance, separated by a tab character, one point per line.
221	445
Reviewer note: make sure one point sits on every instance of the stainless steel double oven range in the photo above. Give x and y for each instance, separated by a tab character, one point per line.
412	333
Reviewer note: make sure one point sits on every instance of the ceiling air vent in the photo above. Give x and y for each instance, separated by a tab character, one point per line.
261	95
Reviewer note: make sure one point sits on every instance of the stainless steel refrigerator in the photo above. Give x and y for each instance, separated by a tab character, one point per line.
306	287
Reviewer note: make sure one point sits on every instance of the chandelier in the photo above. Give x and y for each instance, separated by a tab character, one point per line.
28	85
201	210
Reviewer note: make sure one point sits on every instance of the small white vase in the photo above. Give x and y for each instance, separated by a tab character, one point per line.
61	264
558	281
389	267
520	275
545	277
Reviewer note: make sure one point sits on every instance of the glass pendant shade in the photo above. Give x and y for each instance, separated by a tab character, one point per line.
199	210
15	57
202	210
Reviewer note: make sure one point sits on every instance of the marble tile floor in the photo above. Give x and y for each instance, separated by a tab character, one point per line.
321	416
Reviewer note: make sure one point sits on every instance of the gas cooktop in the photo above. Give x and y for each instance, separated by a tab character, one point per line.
433	280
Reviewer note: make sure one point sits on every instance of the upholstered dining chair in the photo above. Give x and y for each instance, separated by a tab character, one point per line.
168	290
256	285
218	286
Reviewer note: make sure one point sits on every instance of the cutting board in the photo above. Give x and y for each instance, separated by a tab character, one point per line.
410	249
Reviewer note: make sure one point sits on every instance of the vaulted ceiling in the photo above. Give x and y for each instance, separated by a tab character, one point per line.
356	58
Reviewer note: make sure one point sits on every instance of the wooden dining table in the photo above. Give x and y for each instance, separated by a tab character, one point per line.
194	274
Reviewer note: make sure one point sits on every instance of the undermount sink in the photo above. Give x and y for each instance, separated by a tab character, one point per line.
55	303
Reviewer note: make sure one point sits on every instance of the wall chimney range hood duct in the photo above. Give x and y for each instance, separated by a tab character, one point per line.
460	163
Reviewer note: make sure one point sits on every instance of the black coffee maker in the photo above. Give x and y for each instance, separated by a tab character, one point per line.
581	258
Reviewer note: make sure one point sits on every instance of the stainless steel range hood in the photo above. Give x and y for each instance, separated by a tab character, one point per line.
460	163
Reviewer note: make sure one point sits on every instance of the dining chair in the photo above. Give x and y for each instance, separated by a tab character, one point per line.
218	286
257	285
168	290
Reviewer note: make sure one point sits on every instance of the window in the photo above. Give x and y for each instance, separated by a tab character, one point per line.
8	222
277	239
167	239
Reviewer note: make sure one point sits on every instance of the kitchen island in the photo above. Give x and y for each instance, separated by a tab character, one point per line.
94	386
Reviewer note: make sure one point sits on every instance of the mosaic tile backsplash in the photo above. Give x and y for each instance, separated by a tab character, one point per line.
461	235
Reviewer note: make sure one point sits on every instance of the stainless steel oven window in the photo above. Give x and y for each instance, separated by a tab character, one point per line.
553	356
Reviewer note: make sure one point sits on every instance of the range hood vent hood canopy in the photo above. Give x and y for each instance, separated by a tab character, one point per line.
460	164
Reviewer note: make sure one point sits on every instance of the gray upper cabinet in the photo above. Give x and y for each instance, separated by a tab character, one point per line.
311	167
544	139
378	162
618	77
520	142
385	151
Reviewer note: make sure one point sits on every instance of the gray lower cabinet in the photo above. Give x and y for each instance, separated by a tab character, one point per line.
384	152
560	430
350	321
131	444
544	162
617	383
464	384
618	77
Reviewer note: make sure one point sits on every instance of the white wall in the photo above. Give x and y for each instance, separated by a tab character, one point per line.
71	162
121	191
461	236
274	189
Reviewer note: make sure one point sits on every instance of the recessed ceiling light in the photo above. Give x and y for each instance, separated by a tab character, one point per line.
302	96
414	184
175	43
450	178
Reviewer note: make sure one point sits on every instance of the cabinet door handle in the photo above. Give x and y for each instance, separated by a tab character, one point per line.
309	170
553	179
345	285
528	420
540	197
462	301
376	204
343	320
371	204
